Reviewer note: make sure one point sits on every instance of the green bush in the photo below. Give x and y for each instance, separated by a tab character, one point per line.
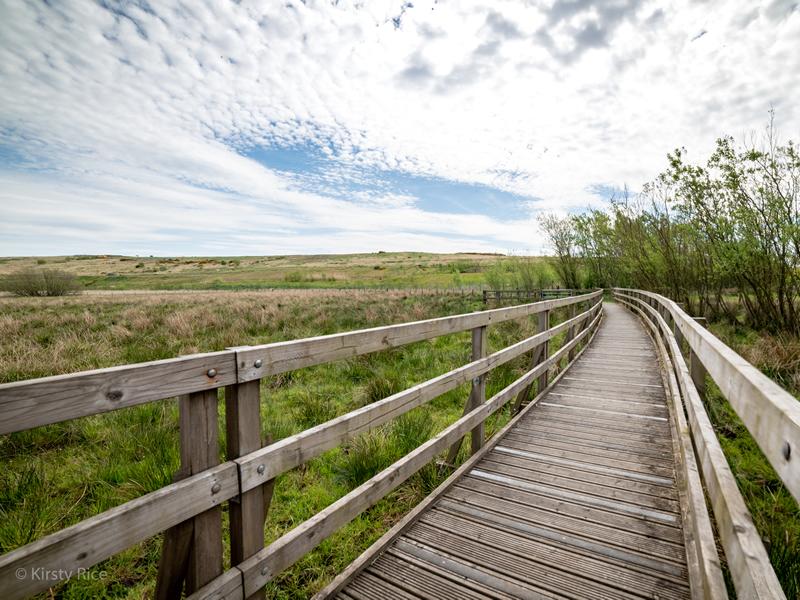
293	277
41	282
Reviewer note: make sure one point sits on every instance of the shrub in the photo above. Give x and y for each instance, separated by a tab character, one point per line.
293	277
41	261
41	282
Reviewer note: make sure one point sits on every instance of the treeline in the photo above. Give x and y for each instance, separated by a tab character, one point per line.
722	238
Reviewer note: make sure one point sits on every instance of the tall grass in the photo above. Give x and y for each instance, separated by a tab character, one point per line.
54	476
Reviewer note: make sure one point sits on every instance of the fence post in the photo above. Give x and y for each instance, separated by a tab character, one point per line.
698	373
544	325
538	356
248	511
192	551
477	394
571	334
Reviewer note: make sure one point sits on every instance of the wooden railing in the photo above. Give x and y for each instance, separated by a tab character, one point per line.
535	294
771	415
189	510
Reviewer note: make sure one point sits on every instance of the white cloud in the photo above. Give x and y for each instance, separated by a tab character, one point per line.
133	118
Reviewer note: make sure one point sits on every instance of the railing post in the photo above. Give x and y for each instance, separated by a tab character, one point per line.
571	333
698	373
539	355
544	325
477	394
248	512
192	551
678	335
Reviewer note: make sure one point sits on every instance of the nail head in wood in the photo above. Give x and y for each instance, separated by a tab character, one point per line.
257	364
211	372
260	470
216	488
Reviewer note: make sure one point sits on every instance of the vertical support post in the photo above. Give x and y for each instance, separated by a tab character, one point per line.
571	333
544	325
477	394
205	556
248	513
192	550
538	356
698	373
678	335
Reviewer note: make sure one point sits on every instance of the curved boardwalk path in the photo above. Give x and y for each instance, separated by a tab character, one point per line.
577	500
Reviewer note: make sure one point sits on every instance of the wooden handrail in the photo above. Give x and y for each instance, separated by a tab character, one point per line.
750	567
262	567
87	543
92	540
770	413
266	463
36	402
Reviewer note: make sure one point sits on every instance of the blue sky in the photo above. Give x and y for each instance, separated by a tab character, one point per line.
320	126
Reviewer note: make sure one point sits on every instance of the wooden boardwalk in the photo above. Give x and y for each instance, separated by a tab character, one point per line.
577	500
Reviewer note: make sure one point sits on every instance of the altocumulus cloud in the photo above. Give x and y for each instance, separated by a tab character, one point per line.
283	127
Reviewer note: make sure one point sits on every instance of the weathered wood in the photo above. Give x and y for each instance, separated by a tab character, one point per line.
37	402
544	325
749	563
538	355
527	530
477	396
176	545
698	373
770	413
243	435
263	566
705	571
199	421
390	536
95	539
287	356
227	586
571	331
297	449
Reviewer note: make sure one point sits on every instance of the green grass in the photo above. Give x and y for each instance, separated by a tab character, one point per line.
55	476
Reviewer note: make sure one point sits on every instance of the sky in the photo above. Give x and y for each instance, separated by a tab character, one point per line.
294	127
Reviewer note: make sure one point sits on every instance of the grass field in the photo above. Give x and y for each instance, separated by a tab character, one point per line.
57	475
384	270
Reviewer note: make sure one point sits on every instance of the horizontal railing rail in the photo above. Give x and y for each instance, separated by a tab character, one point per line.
770	413
189	509
749	564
